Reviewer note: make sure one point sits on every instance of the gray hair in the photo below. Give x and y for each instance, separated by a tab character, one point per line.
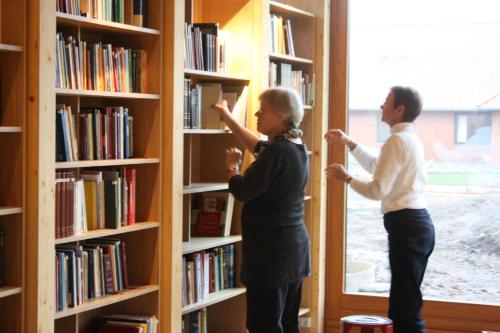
288	105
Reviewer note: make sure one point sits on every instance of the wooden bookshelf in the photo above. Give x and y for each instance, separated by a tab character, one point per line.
12	164
131	293
104	163
94	24
196	244
143	246
287	58
310	24
9	291
11	129
174	164
107	232
214	298
10	48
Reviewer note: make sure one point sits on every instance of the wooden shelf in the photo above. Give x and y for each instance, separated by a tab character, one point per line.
282	9
104	94
101	25
287	58
204	187
10	210
10	48
10	129
214	298
213	75
108	232
9	291
202	243
304	311
107	300
103	163
206	131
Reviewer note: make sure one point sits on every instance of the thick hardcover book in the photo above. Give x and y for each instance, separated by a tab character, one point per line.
108	275
112	198
207	224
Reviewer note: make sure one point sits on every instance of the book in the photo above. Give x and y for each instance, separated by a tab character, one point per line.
211	93
139	11
236	98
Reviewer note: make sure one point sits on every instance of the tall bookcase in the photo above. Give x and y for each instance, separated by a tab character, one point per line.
203	167
12	131
174	164
142	238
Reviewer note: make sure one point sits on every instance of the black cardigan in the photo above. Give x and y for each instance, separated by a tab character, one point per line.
275	240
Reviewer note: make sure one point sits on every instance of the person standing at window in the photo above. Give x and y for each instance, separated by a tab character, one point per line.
398	180
275	240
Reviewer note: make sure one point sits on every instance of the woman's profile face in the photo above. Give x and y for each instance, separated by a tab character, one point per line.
268	122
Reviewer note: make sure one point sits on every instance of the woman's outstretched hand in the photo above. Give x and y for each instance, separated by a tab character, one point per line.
337	136
222	108
233	158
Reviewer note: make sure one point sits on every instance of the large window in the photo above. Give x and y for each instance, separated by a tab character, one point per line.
473	128
446	49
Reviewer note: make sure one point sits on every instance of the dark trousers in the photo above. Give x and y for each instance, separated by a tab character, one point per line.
274	310
411	242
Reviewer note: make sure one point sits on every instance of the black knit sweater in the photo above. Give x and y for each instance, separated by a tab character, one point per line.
275	240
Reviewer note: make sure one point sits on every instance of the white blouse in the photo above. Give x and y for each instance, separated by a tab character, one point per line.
399	173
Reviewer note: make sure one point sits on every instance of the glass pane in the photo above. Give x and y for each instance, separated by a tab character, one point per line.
449	51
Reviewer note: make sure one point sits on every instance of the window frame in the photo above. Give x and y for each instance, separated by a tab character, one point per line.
440	316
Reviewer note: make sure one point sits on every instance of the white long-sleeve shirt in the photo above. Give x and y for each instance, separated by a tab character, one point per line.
399	174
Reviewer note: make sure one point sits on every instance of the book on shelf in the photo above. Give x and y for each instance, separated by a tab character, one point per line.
195	322
215	216
119	11
99	66
91	270
138	12
283	75
149	324
198	101
280	35
206	47
98	199
206	272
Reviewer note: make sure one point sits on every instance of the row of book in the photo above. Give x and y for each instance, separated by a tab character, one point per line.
98	199
195	322
212	214
207	272
94	133
121	323
98	66
94	269
206	47
198	101
282	74
280	36
120	11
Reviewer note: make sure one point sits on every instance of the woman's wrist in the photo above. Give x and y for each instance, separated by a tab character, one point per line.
348	179
233	168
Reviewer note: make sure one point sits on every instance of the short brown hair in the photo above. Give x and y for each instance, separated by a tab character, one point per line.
410	99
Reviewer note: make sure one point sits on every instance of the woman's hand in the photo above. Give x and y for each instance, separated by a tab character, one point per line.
222	108
337	171
233	158
337	136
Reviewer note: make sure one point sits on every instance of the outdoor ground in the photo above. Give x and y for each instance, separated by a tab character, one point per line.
465	265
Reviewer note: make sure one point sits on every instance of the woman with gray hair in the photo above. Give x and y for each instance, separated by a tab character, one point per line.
275	240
